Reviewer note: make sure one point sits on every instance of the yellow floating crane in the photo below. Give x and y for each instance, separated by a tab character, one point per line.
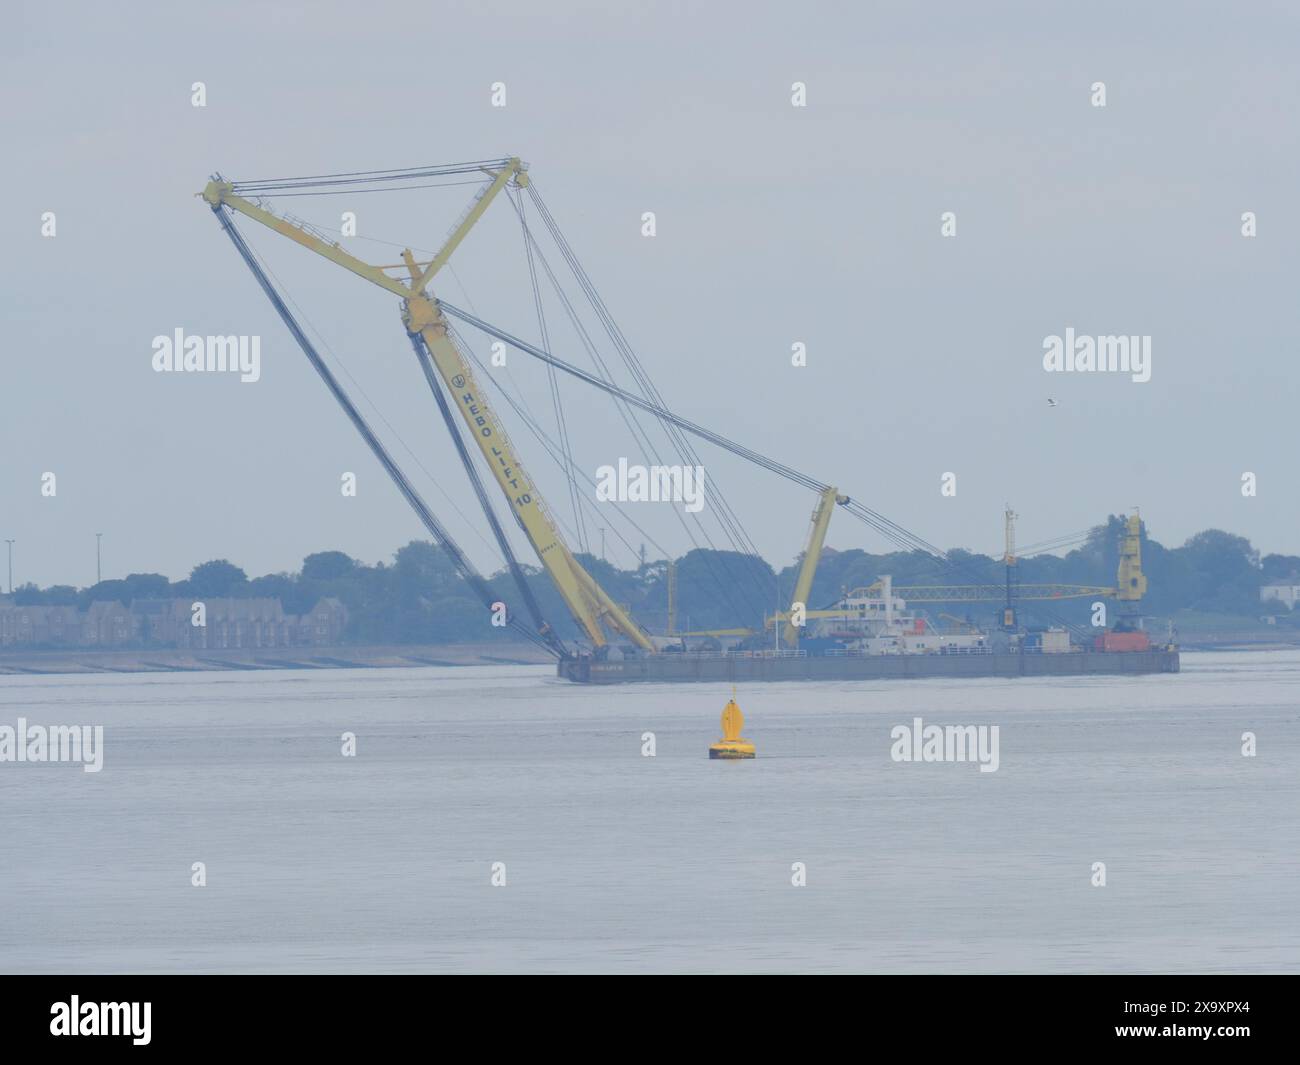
451	379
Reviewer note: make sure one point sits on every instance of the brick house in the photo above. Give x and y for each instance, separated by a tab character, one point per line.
157	621
106	624
233	623
323	625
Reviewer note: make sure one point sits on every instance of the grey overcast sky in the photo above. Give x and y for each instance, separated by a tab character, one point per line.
775	224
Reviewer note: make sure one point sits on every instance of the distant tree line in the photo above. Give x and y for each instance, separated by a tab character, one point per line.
420	598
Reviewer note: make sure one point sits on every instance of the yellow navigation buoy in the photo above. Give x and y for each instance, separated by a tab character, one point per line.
732	744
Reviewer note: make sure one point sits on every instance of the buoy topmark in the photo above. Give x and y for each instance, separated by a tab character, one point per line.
732	744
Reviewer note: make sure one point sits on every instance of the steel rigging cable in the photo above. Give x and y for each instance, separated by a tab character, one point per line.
887	528
561	423
724	586
727	517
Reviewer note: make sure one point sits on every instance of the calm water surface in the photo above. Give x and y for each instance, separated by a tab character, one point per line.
619	862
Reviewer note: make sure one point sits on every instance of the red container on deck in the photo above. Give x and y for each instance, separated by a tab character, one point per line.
1122	641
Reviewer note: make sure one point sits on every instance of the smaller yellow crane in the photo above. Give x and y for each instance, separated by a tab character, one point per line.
821	519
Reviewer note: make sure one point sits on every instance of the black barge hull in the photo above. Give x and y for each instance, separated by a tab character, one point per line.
675	668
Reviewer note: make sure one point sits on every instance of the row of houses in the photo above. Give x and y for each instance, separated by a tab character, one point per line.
185	623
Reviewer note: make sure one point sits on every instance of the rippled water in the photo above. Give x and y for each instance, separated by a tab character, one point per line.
615	861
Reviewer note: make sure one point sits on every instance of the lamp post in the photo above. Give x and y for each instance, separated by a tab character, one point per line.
99	572
11	566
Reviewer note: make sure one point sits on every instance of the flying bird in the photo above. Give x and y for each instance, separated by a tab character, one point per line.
1051	402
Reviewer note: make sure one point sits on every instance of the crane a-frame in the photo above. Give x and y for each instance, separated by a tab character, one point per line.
590	605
